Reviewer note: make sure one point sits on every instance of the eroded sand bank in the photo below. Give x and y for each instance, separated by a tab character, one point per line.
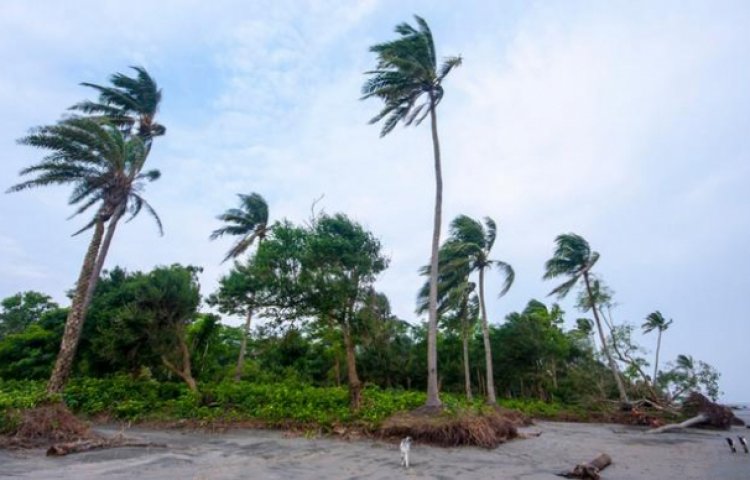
251	454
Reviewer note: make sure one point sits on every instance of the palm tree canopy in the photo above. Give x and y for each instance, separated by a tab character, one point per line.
103	165
407	70
655	321
572	257
249	221
475	241
129	102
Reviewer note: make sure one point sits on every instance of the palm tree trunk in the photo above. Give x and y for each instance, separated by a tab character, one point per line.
243	346
491	399
355	387
76	316
656	362
433	394
605	349
101	257
467	371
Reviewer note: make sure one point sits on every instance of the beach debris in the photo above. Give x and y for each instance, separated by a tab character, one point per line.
465	428
731	444
743	442
61	449
405	448
590	470
704	413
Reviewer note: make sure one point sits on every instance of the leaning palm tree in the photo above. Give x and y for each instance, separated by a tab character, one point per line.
409	81
131	103
473	242
248	222
573	258
105	169
656	321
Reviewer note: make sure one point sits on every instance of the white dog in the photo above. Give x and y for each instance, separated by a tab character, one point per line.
405	447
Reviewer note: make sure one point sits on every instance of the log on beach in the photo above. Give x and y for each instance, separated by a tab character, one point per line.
61	449
704	414
589	470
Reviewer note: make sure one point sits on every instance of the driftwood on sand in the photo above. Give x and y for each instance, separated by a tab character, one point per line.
78	446
589	470
703	413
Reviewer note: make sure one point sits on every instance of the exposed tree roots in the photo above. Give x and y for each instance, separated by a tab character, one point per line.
486	430
44	425
704	414
54	427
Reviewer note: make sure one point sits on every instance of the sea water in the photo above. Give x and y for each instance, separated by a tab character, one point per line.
741	410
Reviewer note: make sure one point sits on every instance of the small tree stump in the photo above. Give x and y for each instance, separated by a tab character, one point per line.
589	470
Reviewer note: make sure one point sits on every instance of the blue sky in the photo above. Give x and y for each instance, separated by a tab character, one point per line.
626	122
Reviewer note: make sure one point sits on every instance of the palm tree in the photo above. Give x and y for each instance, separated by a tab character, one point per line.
104	167
656	321
573	258
455	294
408	80
131	103
248	222
473	242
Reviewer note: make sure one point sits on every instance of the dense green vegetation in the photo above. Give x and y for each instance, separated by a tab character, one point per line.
319	344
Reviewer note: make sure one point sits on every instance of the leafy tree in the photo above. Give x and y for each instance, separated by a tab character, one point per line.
104	168
340	264
385	354
656	321
142	320
30	353
23	309
574	259
249	222
409	81
686	375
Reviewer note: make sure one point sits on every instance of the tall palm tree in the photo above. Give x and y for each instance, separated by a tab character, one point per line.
574	259
104	166
409	81
656	321
248	222
473	241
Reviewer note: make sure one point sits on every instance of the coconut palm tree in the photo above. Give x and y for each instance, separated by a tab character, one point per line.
248	222
409	81
104	166
574	259
656	321
131	103
455	295
473	242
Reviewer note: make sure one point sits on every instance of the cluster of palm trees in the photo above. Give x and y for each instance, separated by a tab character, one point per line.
101	151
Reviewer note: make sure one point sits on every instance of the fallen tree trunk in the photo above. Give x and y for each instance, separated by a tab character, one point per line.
703	413
61	449
589	470
676	426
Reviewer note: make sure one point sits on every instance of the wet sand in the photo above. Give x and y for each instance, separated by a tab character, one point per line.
252	454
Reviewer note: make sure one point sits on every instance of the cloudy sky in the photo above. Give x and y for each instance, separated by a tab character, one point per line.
626	122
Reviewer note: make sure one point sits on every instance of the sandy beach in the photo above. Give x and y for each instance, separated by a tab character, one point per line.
245	454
